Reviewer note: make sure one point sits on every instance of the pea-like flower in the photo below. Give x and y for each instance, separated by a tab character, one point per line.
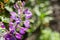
18	36
28	14
9	37
2	25
22	30
27	23
15	30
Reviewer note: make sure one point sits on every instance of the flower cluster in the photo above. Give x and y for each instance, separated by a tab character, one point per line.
16	31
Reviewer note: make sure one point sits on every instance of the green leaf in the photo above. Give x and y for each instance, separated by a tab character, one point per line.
6	20
36	10
9	8
12	1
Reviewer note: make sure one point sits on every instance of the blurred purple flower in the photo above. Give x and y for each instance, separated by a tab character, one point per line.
11	27
18	36
28	14
13	15
16	6
9	37
13	38
22	30
23	3
19	11
27	23
2	25
12	31
17	20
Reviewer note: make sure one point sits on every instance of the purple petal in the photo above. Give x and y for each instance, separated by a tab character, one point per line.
2	25
22	30
12	38
11	27
23	3
12	31
18	20
9	37
16	6
13	17
18	36
19	11
13	13
27	23
28	14
10	23
25	11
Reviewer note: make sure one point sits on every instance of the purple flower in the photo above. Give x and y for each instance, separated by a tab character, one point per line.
28	14
23	3
11	27
3	26
19	11
23	30
18	36
12	38
9	37
25	11
11	23
16	6
17	20
12	31
13	15
27	23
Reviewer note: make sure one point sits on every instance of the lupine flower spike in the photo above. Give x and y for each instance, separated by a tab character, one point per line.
16	20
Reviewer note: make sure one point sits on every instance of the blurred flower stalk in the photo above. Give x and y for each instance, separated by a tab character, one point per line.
15	29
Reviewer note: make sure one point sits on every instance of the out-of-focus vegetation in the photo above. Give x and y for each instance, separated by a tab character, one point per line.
41	10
